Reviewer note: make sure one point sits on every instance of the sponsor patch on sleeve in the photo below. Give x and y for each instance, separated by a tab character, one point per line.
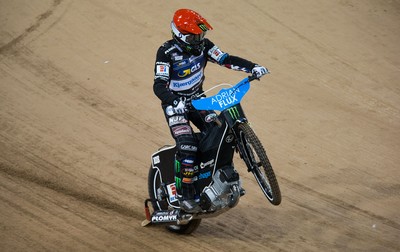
216	54
162	70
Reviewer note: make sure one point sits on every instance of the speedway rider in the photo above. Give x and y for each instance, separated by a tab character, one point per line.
179	74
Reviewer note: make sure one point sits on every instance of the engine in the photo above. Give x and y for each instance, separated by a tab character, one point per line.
223	192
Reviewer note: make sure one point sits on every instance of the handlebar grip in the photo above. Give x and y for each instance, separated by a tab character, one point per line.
253	77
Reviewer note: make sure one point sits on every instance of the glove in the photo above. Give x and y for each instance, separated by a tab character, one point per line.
179	107
259	71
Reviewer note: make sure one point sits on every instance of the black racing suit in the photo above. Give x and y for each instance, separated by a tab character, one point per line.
180	74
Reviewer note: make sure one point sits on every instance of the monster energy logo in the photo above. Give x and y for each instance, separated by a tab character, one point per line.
177	166
178	181
234	112
203	27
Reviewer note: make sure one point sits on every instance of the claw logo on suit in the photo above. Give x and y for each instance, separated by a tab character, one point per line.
188	71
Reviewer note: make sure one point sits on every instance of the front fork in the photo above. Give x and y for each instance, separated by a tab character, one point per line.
241	146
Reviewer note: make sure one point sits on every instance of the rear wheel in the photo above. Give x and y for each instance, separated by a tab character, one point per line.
154	182
258	163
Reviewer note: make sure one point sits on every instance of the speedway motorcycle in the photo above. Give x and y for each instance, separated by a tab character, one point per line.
217	179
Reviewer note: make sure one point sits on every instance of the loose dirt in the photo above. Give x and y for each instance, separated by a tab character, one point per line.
79	121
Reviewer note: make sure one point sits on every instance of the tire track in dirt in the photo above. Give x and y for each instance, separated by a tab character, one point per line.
391	111
51	225
86	97
369	102
44	221
7	48
84	227
314	44
338	203
336	214
16	152
79	195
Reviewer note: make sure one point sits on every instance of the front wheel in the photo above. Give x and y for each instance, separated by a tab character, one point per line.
154	182
255	157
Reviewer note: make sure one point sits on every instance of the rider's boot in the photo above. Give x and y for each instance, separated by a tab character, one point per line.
189	201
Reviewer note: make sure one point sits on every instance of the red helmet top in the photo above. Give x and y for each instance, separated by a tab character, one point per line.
188	30
189	21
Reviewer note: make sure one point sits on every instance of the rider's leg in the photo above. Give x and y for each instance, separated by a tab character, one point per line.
185	159
201	120
186	170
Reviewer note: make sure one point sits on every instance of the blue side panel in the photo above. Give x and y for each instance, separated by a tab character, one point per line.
225	98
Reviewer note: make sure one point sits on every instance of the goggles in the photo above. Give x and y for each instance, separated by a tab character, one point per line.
191	39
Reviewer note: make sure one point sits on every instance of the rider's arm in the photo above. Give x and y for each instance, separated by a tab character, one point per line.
162	77
224	59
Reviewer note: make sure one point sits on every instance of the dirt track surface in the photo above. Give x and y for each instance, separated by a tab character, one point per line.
79	121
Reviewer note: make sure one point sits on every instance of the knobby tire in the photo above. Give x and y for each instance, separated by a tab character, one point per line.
261	167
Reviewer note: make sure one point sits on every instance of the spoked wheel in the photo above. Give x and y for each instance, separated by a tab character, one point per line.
154	183
258	163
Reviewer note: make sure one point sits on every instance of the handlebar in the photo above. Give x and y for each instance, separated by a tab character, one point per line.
197	96
170	110
253	77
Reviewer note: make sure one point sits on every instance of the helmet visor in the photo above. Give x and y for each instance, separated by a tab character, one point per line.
195	39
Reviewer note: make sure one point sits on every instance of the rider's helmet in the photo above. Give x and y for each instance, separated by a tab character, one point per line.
189	29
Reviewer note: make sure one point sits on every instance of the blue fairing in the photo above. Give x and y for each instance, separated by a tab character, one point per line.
225	98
